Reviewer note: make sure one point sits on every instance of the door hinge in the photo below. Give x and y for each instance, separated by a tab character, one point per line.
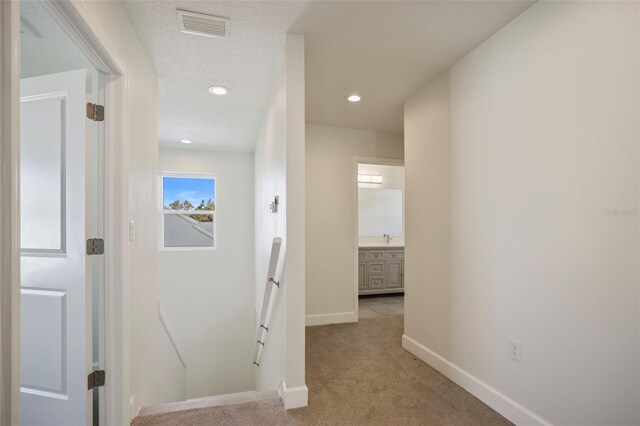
95	112
96	379
95	246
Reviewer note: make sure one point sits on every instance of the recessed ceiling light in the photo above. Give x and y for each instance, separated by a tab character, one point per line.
353	98
218	90
185	141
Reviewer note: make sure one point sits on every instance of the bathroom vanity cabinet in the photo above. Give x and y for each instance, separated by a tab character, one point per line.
380	270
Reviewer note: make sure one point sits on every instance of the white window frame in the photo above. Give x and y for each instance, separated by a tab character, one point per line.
163	212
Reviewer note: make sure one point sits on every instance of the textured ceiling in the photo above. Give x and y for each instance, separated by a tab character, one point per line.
187	65
384	51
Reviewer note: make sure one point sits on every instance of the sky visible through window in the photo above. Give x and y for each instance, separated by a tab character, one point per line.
193	190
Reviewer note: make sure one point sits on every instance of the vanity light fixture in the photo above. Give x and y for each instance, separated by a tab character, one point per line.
377	179
353	98
187	141
218	90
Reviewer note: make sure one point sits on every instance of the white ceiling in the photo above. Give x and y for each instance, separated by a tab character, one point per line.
384	51
187	65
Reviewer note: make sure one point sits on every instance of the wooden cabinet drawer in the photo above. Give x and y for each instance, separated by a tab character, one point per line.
375	255
376	281
375	268
394	255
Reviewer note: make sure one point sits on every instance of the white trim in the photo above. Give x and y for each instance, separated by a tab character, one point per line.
194	248
81	26
134	406
209	401
189	212
9	213
296	397
162	210
116	229
356	243
337	318
167	329
281	387
504	405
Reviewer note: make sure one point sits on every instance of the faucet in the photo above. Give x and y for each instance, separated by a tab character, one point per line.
388	237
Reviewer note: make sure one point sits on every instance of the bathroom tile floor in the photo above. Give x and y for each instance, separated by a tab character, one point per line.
381	306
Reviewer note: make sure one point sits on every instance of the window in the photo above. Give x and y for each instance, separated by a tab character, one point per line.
188	212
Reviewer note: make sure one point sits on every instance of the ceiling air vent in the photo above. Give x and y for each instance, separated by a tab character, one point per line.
204	25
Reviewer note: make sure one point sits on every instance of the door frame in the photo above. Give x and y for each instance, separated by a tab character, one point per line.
356	162
76	21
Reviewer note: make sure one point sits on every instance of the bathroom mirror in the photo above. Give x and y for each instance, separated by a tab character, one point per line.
380	211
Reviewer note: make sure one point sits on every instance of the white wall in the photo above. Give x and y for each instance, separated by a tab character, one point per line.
153	367
208	294
295	266
427	302
528	142
279	170
270	181
331	215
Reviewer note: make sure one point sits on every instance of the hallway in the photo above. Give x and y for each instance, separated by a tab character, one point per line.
357	374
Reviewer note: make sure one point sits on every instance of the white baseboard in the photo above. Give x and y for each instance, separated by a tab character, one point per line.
295	397
209	401
337	318
504	405
134	406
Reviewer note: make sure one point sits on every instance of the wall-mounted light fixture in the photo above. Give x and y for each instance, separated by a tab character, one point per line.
369	179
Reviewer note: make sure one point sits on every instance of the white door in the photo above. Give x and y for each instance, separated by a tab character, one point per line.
55	139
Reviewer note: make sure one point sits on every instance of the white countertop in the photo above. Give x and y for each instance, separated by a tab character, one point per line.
378	245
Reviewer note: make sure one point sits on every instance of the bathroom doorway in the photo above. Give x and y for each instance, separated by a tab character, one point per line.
380	239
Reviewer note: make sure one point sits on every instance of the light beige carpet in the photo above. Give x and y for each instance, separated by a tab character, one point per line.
357	374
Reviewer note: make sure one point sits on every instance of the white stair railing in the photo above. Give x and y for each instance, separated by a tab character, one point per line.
270	290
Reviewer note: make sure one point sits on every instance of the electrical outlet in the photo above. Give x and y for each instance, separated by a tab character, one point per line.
515	349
